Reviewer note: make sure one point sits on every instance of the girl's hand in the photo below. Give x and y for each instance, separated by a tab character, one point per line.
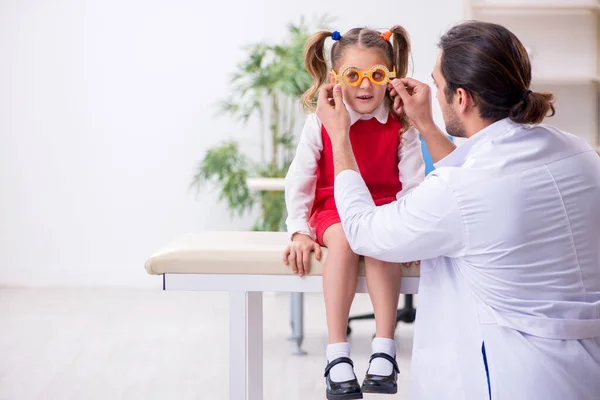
297	254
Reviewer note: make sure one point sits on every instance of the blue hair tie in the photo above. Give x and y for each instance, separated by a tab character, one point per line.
336	35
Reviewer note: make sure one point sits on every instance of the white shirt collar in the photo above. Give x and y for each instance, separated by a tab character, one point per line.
381	113
458	157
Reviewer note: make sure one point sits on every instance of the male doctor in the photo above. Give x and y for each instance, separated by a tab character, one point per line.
507	228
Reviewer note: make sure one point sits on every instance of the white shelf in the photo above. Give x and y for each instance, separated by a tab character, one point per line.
266	184
564	38
542	6
564	80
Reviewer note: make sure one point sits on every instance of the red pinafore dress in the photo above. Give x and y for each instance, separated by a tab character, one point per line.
375	147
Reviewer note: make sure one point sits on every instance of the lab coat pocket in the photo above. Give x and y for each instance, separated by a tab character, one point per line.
436	375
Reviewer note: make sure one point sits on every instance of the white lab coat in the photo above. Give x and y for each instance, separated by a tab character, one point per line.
508	231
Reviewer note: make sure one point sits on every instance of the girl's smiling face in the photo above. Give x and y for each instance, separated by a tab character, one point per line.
366	96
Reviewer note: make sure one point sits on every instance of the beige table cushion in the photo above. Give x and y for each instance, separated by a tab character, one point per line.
251	253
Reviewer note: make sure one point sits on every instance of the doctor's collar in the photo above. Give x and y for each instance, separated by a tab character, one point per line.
460	154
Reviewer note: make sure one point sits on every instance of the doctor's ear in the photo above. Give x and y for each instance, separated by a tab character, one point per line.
464	100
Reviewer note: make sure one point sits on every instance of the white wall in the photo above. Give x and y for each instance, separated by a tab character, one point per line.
106	107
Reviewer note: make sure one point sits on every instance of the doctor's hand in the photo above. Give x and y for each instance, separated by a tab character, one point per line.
410	264
414	99
297	254
332	112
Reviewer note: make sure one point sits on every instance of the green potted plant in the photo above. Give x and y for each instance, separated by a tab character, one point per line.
268	84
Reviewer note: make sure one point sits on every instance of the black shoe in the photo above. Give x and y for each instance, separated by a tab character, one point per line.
382	384
347	390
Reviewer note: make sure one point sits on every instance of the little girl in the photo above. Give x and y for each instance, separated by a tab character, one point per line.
390	161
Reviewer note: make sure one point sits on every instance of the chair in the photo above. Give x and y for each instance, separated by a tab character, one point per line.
405	314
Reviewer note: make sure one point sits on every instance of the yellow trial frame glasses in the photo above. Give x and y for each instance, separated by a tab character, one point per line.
353	76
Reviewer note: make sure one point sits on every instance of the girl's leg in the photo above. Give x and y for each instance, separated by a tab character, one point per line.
339	286
339	282
383	283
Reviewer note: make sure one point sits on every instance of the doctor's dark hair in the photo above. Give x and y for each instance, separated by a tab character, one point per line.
489	62
396	52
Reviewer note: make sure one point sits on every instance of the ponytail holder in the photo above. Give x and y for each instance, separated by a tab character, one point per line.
386	35
335	35
527	93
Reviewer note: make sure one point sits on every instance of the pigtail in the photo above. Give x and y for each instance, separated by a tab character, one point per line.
316	65
401	54
401	47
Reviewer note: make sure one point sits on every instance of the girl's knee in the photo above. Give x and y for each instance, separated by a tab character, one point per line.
342	249
372	262
335	240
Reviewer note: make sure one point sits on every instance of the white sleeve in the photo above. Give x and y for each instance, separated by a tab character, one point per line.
300	181
410	161
427	223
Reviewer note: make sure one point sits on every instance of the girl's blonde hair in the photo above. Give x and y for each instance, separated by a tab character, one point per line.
396	52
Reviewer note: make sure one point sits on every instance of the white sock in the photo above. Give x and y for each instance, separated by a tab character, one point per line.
381	366
341	372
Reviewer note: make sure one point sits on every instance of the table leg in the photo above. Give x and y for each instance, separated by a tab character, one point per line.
297	311
245	346
255	345
237	346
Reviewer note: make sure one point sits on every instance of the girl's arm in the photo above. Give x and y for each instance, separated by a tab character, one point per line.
300	181
410	165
